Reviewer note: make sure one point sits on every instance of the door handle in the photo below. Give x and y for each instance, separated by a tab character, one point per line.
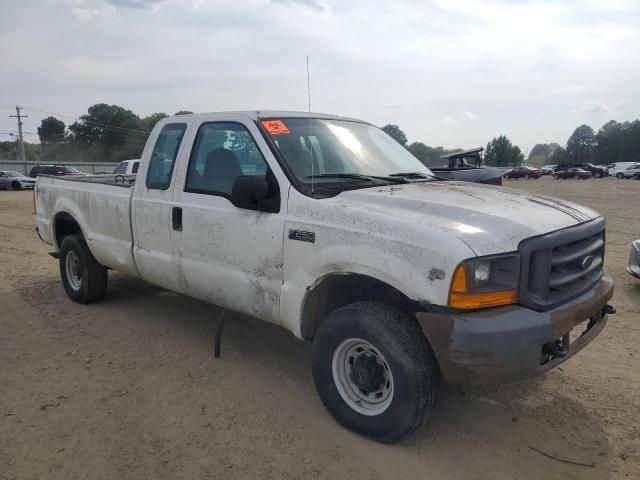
176	218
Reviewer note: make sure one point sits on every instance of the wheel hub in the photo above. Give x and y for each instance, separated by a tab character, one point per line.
362	376
367	374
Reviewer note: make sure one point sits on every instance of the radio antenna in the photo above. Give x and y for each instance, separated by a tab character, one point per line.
309	136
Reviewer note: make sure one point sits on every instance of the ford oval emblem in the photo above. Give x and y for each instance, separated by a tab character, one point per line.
586	262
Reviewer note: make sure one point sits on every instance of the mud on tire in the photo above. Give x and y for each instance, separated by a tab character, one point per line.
83	278
380	340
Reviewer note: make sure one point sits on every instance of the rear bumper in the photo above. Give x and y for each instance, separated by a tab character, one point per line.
505	344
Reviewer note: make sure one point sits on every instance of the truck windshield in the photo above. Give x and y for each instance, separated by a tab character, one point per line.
341	152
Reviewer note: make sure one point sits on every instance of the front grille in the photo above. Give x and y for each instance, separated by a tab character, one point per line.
561	265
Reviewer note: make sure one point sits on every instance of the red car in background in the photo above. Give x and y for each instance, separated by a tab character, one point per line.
575	173
523	172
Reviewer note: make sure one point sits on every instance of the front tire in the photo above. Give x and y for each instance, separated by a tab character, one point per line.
15	185
620	176
375	371
83	278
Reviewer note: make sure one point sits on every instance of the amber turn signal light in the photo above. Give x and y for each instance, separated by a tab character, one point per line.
460	297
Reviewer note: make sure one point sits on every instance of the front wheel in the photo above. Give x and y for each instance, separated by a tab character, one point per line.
15	185
83	278
375	371
620	176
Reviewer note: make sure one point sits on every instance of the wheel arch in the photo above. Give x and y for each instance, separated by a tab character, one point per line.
338	289
65	224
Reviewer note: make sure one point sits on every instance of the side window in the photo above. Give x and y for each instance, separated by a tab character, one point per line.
164	156
221	153
134	169
120	168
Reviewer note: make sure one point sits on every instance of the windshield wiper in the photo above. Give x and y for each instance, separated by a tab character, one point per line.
355	176
416	175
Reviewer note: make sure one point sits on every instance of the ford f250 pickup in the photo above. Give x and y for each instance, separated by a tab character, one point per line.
328	227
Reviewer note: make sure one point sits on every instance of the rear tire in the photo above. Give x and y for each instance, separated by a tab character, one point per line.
83	278
15	185
375	371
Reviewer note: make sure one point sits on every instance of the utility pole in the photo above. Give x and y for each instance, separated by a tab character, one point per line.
21	153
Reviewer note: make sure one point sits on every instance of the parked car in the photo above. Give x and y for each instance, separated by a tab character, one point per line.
15	180
632	171
614	168
127	167
523	172
547	170
575	173
634	259
597	172
57	170
330	228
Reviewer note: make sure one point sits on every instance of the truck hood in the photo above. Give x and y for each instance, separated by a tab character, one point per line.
488	219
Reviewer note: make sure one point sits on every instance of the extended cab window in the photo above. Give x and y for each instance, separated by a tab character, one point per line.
164	156
221	153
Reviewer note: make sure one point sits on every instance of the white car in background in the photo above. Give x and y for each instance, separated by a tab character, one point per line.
13	180
632	171
614	168
127	167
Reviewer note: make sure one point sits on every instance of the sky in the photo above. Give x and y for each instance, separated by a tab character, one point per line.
454	73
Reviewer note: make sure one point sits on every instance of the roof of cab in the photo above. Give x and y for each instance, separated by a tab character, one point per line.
262	114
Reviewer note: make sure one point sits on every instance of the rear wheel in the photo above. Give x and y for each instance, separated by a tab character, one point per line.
83	278
16	185
375	371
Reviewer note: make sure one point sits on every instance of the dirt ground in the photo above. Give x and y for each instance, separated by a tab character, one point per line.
128	388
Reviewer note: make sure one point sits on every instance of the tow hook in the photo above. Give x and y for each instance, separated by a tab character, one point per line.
554	349
609	309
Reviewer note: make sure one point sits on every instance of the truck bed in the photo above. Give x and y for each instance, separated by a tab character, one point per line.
101	204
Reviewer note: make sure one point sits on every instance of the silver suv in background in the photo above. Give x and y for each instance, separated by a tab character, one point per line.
632	171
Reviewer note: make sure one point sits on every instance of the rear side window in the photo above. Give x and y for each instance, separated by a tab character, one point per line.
164	156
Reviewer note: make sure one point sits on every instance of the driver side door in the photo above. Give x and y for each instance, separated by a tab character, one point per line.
229	255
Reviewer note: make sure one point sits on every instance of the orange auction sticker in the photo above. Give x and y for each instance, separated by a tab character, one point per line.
275	127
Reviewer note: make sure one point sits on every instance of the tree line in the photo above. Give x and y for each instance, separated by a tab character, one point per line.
614	142
111	133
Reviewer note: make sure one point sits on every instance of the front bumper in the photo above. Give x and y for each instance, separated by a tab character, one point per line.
634	259
504	344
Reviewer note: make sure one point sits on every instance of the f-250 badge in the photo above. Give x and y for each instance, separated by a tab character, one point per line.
302	236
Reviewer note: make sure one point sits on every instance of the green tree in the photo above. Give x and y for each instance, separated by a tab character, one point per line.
394	132
581	145
149	122
51	131
500	152
430	156
558	157
108	133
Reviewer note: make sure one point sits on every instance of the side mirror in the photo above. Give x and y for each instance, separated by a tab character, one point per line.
248	192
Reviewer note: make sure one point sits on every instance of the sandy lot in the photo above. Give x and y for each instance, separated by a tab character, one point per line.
128	388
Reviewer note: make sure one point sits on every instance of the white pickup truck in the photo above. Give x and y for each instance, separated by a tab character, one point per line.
328	227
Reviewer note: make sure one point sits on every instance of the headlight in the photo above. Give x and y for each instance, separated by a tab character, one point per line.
485	282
